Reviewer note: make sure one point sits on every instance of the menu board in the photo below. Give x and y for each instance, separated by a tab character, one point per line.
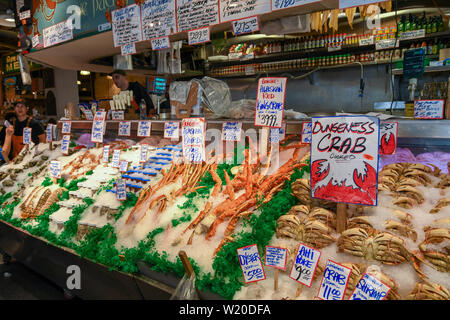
194	14
57	33
126	25
238	9
158	18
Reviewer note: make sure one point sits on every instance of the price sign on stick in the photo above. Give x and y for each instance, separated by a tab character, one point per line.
334	281
193	139
306	132
270	102
49	132
143	153
123	166
116	158
124	128
370	288
128	49
247	25
65	144
172	130
26	135
305	265
344	159
388	137
105	157
55	169
251	264
197	36
160	43
66	126
144	129
283	4
231	131
276	257
121	191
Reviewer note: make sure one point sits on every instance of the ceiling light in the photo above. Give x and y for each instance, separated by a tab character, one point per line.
84	73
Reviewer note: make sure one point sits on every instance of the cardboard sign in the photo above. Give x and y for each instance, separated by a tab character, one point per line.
251	265
172	130
123	166
115	159
276	257
354	3
105	157
429	109
117	115
121	191
370	288
270	102
231	131
127	49
160	43
144	128
194	14
344	159
193	139
197	36
58	33
334	281
65	144
306	132
143	153
66	126
158	19
283	4
126	25
247	25
124	128
305	264
26	135
388	137
55	169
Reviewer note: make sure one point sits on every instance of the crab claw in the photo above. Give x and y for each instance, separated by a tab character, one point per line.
366	182
318	173
387	146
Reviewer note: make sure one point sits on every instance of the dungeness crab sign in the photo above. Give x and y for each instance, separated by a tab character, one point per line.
344	159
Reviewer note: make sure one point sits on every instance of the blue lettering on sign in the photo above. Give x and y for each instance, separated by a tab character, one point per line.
264	89
369	290
269	105
255	273
334	276
248	258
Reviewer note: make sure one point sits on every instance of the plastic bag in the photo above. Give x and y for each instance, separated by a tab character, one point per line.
216	94
185	289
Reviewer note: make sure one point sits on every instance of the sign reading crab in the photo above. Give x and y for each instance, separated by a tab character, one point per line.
344	159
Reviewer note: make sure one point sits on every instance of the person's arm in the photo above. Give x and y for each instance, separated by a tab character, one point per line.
6	148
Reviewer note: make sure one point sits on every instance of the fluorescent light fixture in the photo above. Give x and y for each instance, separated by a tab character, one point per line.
84	73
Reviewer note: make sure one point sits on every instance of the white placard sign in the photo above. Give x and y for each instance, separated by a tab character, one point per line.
306	132
160	43
115	159
386	44
354	3
158	18
172	130
58	33
193	139
274	135
366	41
388	137
126	25
270	102
251	264
121	191
65	144
198	36
105	156
370	288
127	49
247	25
305	264
49	133
123	166
144	128
25	15
35	41
429	109
283	4
276	257
415	34
117	115
334	281
98	127
55	169
239	9
124	128
66	126
231	131
194	14
344	159
143	153
26	135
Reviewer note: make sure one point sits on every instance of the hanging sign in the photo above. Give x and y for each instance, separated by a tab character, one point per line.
105	157
158	18
239	9
251	264
172	130
194	14
193	139
355	3
370	288
127	49
160	43
121	191
247	25
276	257
305	264
197	36
124	128
66	126
231	131
344	159
270	102
283	4
306	132
55	169
429	109
388	137
65	144
126	25
334	281
58	33
144	129
115	159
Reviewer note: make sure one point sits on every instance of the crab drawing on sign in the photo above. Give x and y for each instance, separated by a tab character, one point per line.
388	137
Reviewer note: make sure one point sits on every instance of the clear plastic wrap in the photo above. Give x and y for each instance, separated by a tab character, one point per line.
216	95
185	289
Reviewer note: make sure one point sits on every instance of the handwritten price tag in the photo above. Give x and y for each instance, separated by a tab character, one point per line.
429	109
172	130
65	144
144	129
105	157
55	169
197	36
35	41
127	49
306	132
98	128
116	158
49	133
370	288
193	139
334	281
66	126
121	191
251	264
270	102
124	128
247	25
160	43
231	131
123	167
276	257
143	153
27	135
305	265
117	115
283	4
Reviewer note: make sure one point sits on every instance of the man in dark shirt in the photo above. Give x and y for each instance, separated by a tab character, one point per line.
11	137
139	92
